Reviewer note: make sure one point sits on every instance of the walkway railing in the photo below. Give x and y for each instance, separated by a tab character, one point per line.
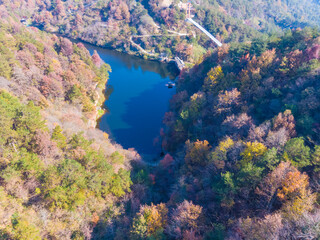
205	32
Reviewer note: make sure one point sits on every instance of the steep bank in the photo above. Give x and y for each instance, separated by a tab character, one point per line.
243	133
138	101
59	174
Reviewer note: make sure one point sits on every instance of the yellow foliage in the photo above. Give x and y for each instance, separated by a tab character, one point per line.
106	135
215	73
25	230
37	191
213	77
55	63
219	155
227	203
295	194
252	151
266	58
224	145
293	209
156	217
294	184
300	205
197	96
197	153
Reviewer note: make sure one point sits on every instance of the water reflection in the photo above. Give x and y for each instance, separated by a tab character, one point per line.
138	99
132	62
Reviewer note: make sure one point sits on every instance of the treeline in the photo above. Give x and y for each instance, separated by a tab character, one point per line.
268	15
112	23
104	23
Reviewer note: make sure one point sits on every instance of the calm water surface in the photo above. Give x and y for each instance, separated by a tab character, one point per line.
138	100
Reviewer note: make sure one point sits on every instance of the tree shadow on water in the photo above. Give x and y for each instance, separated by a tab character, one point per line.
144	116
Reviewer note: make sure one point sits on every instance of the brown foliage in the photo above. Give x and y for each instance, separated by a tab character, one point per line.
197	153
185	219
96	59
169	119
277	138
50	88
293	185
178	99
190	235
269	187
43	146
288	186
313	52
237	125
267	228
228	100
166	161
285	120
66	47
25	58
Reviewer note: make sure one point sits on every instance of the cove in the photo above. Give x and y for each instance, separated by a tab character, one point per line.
138	100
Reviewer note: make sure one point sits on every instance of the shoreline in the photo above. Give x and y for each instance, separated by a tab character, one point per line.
100	110
131	53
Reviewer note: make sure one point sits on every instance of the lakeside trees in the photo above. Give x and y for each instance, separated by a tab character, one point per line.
255	174
114	22
242	135
56	181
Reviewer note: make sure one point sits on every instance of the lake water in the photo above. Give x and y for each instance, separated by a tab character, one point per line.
138	100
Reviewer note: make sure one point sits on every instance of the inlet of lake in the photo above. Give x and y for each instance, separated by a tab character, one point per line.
137	102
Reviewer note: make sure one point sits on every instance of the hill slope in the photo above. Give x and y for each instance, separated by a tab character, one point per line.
59	175
244	133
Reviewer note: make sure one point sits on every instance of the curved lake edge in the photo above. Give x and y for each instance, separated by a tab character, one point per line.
108	47
171	71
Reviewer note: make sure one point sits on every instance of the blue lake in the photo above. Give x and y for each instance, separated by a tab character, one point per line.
138	100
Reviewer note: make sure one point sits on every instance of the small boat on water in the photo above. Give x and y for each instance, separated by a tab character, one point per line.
170	84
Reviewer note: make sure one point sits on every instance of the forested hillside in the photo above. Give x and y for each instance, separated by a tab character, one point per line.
243	147
241	139
244	127
265	15
120	24
59	175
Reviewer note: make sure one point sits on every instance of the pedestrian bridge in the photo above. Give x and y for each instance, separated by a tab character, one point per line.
204	31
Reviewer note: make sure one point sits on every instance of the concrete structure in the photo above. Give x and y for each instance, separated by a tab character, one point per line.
205	31
179	63
189	19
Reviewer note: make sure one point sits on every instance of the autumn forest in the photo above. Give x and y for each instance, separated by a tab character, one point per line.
240	139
